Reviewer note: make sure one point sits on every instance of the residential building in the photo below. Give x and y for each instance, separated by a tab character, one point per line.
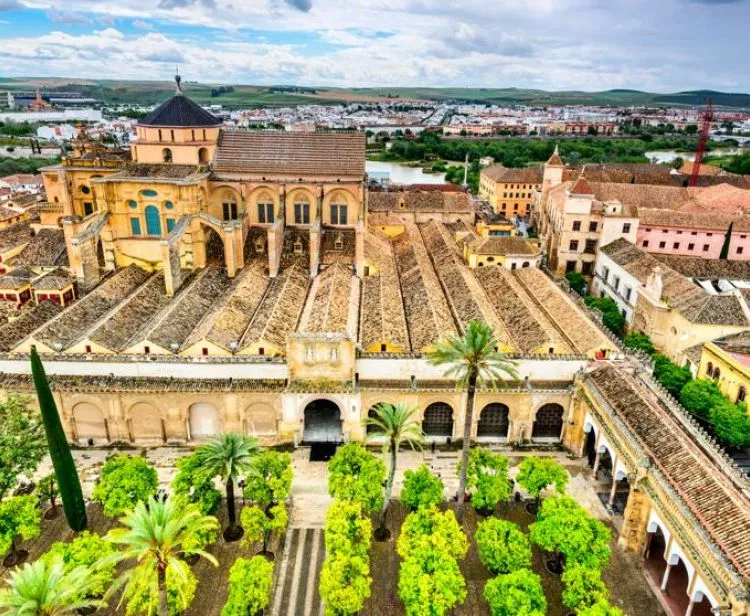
726	360
510	252
510	191
673	310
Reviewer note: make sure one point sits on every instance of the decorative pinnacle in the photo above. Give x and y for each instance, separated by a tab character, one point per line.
178	80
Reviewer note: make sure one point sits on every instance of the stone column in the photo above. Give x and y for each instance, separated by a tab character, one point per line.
597	460
315	238
633	535
613	492
665	579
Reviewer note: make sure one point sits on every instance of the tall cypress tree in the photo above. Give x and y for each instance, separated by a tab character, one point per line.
727	240
62	460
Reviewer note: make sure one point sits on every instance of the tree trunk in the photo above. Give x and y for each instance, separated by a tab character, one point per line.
233	531
468	421
383	531
162	582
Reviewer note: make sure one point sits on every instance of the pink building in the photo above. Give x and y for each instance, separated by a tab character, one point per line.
698	226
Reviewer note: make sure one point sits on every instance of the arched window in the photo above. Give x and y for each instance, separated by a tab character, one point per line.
153	220
710	370
717	373
438	420
741	394
525	264
339	211
166	155
229	206
203	155
301	211
265	209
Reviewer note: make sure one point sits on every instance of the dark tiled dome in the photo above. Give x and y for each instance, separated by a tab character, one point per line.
180	111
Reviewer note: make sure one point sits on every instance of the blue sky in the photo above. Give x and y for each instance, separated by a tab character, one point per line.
657	45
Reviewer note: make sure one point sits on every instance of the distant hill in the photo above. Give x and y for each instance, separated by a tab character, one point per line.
152	92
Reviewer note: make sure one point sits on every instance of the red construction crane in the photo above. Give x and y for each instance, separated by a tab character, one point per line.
708	116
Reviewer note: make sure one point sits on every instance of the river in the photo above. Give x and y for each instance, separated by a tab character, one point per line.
401	174
667	156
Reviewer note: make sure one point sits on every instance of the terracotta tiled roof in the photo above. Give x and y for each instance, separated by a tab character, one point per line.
641	195
419	202
504	246
15	236
581	187
494	172
555	160
55	280
327	308
382	318
286	153
280	309
682	295
15	332
695	267
719	506
73	323
16	278
46	249
714	221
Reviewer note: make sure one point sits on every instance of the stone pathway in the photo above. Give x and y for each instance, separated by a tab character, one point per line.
297	588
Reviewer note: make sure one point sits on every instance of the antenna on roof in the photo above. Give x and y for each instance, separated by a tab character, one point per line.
178	79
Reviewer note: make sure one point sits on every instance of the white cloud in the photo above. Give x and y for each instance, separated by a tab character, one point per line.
561	44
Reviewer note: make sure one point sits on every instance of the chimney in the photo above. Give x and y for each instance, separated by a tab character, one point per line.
655	283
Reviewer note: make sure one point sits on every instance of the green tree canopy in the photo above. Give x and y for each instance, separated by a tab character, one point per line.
583	587
426	529
487	478
250	584
91	551
46	588
516	594
346	529
47	490
260	524
731	424
22	440
672	377
228	456
611	316
192	484
576	281
269	478
600	609
344	583
153	538
19	516
123	482
421	488
564	527
535	474
699	396
430	584
502	546
639	341
354	474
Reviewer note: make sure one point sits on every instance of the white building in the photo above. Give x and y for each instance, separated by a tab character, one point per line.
58	132
613	277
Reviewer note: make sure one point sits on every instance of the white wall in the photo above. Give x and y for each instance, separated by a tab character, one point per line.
626	281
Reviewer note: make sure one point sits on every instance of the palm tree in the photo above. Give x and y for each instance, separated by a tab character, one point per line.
471	359
44	588
154	538
228	457
395	424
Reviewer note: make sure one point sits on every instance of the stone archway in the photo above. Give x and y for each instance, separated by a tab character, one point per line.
438	420
548	423
322	422
590	448
493	421
203	421
90	424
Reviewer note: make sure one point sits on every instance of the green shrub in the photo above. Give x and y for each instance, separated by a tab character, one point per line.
427	528
576	281
269	479
611	316
421	488
502	546
250	582
123	482
89	550
141	599
430	584
19	517
516	594
344	583
601	609
346	529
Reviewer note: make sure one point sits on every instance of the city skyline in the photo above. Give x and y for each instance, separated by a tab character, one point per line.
545	44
